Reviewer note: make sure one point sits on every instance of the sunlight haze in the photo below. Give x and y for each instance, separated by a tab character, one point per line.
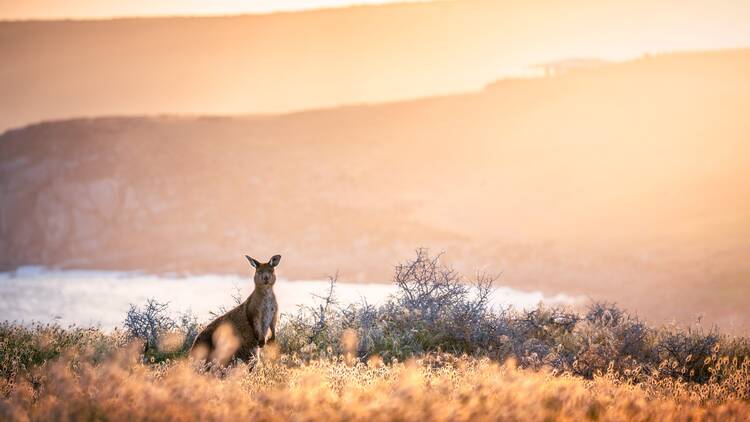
375	210
98	9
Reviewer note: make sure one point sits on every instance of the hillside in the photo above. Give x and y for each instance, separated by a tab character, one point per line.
599	182
294	61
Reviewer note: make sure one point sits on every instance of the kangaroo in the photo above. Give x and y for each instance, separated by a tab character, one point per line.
242	331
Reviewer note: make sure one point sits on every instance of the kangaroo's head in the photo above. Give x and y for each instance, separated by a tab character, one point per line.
264	274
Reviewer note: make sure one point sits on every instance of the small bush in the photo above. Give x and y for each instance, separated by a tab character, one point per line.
162	336
687	354
23	348
434	309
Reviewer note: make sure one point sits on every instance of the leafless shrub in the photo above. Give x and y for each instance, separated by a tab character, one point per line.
189	327
153	325
148	323
435	308
324	313
604	314
608	338
314	329
364	319
687	354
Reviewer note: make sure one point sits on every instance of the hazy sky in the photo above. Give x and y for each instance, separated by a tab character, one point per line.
55	9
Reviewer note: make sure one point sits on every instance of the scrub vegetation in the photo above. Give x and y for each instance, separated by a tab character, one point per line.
436	350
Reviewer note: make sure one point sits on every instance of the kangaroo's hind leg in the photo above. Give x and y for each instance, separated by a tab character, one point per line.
203	346
249	355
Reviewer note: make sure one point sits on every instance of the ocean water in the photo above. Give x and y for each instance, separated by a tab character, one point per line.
102	298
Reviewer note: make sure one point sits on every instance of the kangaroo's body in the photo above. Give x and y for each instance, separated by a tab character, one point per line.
242	331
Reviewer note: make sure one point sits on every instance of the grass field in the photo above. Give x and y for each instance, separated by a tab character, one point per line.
435	387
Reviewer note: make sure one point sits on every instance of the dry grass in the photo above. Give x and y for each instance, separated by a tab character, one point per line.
438	387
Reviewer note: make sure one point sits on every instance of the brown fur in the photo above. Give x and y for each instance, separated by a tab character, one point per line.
242	331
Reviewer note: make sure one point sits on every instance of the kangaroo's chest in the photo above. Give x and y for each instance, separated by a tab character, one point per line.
267	310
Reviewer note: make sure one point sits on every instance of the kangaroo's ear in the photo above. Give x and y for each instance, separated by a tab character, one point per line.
253	262
275	260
